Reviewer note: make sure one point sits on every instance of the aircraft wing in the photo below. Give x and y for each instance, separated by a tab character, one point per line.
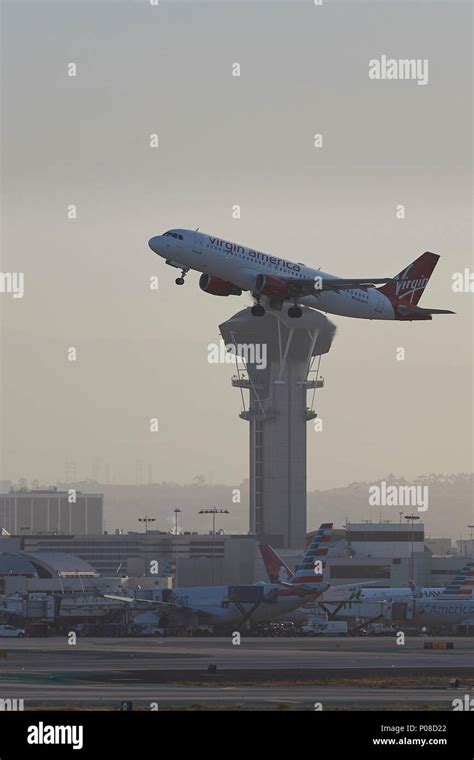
131	599
334	284
211	612
185	609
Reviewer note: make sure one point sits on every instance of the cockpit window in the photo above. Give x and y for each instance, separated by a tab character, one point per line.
173	235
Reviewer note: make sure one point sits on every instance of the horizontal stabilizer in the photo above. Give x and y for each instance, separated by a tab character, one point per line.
419	313
303	590
338	283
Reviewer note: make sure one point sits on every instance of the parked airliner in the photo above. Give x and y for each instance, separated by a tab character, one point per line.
230	268
233	605
461	586
435	606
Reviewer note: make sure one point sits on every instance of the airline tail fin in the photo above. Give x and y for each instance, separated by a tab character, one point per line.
169	570
277	570
462	583
307	571
417	593
408	285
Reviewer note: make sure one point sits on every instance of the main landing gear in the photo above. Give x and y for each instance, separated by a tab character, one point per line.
257	310
180	280
295	312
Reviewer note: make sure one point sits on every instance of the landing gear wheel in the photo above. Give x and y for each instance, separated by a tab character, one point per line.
295	312
180	280
257	310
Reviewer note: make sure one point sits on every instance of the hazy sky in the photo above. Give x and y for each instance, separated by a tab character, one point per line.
227	140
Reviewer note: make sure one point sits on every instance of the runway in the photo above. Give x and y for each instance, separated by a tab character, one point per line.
52	654
178	672
150	697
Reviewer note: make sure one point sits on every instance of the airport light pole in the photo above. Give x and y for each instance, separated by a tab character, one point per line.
471	548
412	519
146	520
176	511
214	512
25	528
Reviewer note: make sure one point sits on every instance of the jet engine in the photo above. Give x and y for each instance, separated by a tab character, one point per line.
267	285
218	287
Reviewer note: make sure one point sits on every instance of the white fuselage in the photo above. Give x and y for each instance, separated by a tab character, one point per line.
432	607
212	603
439	612
357	594
240	265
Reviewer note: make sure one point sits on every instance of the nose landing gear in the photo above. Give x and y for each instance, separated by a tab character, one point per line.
180	280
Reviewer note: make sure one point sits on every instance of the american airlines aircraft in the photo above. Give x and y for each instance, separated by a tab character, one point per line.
461	586
229	268
231	605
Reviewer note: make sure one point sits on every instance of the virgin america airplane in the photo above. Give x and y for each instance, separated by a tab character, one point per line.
229	268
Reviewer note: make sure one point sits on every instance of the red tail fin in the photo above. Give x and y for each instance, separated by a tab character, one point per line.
409	285
276	569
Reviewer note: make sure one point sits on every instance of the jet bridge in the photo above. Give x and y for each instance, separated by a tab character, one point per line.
251	595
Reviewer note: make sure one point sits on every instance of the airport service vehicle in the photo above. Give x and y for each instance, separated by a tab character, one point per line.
380	629
9	631
233	605
230	268
147	630
325	628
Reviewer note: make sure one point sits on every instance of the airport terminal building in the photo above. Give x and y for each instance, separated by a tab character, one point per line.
59	578
386	553
389	554
48	510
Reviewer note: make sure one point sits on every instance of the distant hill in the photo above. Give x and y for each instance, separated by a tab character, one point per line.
451	504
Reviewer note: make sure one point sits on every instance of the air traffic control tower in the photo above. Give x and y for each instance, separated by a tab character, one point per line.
278	412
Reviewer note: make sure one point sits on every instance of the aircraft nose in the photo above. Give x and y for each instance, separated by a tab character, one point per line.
154	243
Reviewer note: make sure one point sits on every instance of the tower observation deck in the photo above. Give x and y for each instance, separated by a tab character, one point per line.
289	353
